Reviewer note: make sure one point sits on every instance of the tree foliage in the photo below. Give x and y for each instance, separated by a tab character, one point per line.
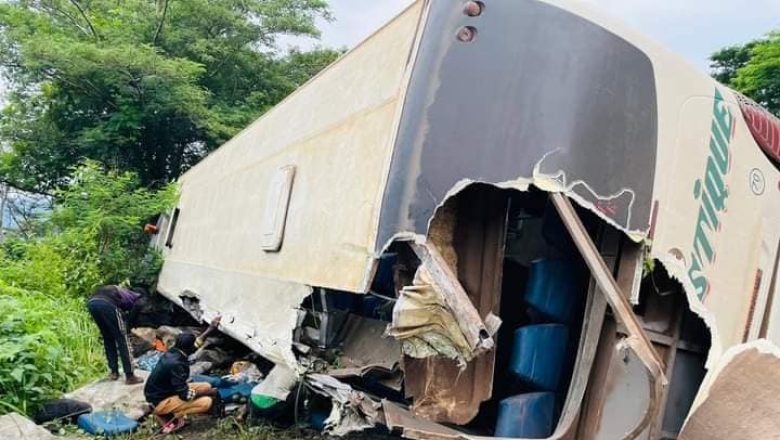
94	235
752	69
143	85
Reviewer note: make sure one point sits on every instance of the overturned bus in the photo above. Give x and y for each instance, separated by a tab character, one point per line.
514	219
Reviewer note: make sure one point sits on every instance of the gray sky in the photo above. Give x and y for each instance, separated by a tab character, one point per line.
692	28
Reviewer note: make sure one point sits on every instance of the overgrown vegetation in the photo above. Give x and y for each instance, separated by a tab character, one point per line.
93	236
753	69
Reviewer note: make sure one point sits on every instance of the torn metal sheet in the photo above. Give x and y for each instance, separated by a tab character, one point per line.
263	322
352	410
366	345
443	278
442	390
191	303
742	402
397	418
435	316
367	352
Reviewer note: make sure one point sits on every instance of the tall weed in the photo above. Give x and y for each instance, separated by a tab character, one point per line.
48	345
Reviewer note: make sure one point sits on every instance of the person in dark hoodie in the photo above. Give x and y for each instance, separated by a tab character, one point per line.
106	306
168	389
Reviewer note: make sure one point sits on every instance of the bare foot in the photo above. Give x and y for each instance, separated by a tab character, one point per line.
174	425
133	380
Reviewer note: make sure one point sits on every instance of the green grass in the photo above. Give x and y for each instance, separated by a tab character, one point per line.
48	346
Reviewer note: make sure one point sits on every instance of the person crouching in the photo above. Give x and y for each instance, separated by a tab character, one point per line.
167	388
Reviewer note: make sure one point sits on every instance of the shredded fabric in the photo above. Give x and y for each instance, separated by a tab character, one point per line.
424	324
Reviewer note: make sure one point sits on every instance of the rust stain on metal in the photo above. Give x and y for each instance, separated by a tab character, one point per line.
752	308
771	296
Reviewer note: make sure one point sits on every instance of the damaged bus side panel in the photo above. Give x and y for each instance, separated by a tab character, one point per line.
516	218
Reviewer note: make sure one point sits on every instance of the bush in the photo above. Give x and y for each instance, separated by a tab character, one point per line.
48	345
93	236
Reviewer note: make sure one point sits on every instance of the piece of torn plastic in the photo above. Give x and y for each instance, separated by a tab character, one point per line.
278	384
352	410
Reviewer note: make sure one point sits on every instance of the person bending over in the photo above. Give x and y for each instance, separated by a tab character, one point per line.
106	306
167	388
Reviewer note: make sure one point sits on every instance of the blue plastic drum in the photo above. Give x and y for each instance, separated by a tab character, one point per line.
526	416
555	289
539	354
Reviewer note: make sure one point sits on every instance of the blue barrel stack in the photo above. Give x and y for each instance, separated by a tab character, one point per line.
541	351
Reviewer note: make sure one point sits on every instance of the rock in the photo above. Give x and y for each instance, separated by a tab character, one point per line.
107	395
16	427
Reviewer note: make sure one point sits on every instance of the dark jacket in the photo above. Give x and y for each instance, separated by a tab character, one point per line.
121	298
169	378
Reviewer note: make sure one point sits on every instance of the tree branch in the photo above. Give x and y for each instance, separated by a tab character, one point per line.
160	25
70	18
84	16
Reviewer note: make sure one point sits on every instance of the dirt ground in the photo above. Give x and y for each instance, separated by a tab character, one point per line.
224	429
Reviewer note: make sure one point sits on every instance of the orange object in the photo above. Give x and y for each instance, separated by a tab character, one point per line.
151	229
159	345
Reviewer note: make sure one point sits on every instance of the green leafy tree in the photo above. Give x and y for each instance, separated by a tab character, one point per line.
752	69
148	86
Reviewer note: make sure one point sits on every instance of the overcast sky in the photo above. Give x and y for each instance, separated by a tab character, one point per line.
692	28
